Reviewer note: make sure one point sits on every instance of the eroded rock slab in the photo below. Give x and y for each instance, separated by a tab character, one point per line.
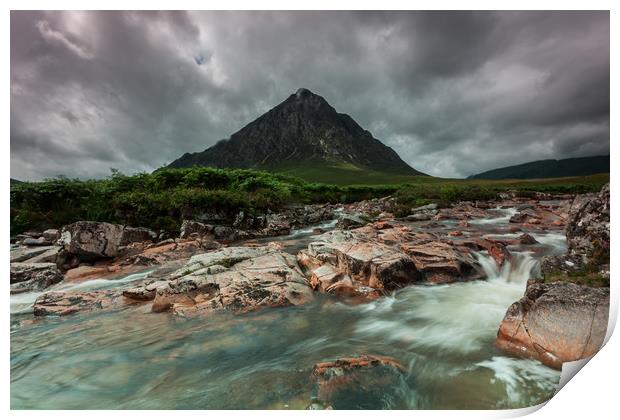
237	279
555	323
66	303
383	258
26	277
23	253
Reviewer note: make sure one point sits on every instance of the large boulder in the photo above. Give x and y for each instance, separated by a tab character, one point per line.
238	279
26	277
555	323
587	233
89	241
587	229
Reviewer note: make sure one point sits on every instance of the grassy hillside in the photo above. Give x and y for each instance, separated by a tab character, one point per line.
550	168
161	200
348	174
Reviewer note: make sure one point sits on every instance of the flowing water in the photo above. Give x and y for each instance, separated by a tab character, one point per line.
133	359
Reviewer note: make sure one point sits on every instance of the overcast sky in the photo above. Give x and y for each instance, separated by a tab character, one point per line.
454	93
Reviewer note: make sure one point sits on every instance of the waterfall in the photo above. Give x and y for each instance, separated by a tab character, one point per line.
517	270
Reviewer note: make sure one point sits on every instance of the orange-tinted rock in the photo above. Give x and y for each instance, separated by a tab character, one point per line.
65	303
87	272
369	262
369	377
555	323
496	249
382	224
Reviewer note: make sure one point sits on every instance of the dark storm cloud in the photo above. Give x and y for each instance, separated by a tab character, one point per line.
453	93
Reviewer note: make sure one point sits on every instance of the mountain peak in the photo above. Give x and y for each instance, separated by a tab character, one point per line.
304	130
303	93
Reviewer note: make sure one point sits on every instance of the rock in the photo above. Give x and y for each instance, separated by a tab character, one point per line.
86	272
65	303
368	263
420	217
455	233
238	279
431	206
587	228
41	241
373	206
171	250
527	239
27	277
22	253
89	241
463	210
145	292
131	235
275	225
518	218
224	233
349	221
191	228
422	213
440	262
381	224
385	216
32	234
358	382
566	264
555	323
51	235
587	233
48	256
386	259
496	249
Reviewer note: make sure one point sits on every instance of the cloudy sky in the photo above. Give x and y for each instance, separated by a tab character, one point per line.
454	93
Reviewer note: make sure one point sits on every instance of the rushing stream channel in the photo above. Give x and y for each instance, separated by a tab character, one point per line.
134	359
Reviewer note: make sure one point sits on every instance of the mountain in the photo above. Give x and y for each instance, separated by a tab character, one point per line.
550	168
303	132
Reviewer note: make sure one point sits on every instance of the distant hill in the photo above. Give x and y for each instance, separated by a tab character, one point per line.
550	168
302	134
16	181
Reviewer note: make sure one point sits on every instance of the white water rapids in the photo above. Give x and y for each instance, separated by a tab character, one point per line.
135	359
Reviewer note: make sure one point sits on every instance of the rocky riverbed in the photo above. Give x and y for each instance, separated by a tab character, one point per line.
317	307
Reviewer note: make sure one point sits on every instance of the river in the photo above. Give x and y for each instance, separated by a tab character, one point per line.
134	359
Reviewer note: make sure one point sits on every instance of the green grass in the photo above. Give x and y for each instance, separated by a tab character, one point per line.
347	174
161	200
